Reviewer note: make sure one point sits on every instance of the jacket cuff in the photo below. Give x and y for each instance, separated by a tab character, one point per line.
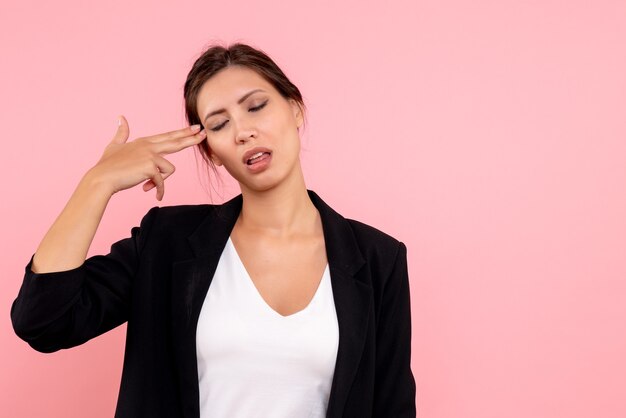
45	294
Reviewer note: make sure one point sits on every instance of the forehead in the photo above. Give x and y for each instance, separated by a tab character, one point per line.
228	85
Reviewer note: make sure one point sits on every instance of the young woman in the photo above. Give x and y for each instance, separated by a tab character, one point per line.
269	305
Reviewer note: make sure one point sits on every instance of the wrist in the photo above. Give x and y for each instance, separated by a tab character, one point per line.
94	182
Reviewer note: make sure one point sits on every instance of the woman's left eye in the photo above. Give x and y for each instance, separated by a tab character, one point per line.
259	107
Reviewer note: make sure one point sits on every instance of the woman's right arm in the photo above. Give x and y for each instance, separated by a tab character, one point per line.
66	299
122	165
65	245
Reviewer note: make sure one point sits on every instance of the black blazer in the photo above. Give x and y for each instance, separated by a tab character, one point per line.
157	280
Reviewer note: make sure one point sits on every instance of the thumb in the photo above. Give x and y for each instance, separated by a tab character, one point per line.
123	130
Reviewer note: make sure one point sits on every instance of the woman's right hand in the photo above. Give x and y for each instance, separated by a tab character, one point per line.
126	164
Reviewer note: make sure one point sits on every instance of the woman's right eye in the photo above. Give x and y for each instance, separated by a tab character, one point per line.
218	127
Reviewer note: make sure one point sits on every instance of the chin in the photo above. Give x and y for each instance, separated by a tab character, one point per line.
257	183
264	181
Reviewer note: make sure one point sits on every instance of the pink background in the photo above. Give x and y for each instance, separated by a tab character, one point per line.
489	136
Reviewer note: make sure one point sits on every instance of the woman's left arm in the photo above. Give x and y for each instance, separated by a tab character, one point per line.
394	393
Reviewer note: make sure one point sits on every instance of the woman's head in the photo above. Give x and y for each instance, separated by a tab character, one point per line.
212	63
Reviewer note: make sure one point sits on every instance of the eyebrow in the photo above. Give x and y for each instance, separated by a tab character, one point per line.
244	97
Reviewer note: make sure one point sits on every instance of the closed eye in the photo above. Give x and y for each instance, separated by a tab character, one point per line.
252	109
259	107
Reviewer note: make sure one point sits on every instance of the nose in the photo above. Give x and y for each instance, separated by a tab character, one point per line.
245	134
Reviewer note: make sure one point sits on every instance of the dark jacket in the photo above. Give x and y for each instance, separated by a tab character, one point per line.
157	280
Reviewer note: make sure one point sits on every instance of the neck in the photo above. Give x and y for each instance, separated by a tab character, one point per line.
280	211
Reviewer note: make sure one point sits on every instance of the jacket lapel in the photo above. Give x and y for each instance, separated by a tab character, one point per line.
191	280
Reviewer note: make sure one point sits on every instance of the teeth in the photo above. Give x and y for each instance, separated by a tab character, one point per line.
255	156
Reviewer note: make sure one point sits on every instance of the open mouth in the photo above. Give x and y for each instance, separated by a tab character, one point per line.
259	156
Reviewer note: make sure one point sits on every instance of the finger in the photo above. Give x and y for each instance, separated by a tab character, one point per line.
179	133
149	185
177	144
166	169
160	185
123	130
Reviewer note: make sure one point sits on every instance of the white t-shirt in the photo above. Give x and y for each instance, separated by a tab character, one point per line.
254	362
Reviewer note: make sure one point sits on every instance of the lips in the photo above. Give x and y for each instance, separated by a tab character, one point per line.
255	153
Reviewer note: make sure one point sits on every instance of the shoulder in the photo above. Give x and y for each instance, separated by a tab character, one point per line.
367	233
178	218
377	247
179	214
182	213
384	255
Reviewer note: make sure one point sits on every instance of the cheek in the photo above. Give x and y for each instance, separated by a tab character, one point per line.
279	121
270	125
216	149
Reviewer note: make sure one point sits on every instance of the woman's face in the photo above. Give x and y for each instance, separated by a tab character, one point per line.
244	116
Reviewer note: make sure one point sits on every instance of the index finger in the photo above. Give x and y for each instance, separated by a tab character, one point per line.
177	144
179	133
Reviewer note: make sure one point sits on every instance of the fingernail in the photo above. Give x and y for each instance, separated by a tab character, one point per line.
195	128
202	133
119	121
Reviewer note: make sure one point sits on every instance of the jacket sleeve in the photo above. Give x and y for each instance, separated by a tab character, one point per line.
394	394
63	309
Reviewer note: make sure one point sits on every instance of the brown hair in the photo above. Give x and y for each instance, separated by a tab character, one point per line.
218	57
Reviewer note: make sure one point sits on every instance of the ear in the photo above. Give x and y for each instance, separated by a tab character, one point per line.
298	114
